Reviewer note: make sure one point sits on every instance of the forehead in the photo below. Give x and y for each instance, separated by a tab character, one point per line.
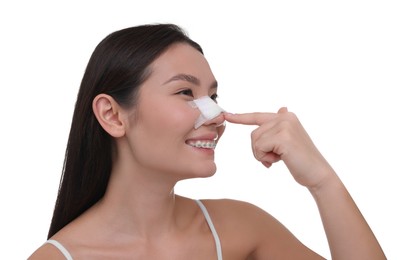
181	58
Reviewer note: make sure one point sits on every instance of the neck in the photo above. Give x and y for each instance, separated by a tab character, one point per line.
139	204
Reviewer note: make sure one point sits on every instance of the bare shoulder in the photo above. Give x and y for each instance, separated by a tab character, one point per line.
247	218
244	226
240	226
47	251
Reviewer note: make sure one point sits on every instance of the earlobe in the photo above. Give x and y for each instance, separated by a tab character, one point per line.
107	112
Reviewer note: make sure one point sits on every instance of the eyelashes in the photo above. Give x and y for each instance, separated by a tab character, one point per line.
186	92
214	97
189	92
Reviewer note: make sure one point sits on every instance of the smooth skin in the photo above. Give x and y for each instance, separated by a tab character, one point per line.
140	217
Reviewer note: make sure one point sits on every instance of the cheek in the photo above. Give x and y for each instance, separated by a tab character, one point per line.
184	117
171	116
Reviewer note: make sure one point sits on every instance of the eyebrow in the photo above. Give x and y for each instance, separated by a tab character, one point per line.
189	78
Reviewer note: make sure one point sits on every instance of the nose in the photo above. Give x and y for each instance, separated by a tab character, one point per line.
208	109
217	121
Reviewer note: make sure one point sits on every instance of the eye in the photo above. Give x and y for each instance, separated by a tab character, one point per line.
214	97
186	92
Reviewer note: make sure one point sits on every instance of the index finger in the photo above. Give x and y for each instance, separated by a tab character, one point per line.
256	118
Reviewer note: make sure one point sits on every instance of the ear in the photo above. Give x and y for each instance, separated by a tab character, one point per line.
109	115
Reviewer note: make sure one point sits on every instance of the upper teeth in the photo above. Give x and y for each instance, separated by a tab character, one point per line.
202	144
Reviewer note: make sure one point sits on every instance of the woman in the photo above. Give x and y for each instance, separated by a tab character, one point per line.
134	136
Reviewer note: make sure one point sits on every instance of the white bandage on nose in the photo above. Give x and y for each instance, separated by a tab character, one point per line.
208	107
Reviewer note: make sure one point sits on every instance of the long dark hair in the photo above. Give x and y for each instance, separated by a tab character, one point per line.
117	67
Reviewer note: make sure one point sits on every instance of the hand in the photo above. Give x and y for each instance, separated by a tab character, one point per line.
280	136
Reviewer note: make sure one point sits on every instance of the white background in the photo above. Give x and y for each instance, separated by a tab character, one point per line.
333	63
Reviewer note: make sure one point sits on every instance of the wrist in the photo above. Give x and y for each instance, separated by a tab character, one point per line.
329	183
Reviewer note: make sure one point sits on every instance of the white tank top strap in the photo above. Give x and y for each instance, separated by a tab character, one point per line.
212	228
61	248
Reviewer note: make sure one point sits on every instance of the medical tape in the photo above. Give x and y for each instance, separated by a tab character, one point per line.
209	109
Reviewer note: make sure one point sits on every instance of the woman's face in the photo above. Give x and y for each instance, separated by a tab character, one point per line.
161	133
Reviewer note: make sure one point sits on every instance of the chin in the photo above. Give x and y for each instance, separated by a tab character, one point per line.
206	171
203	171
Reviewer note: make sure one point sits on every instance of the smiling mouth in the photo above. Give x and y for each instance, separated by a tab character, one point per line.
208	144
